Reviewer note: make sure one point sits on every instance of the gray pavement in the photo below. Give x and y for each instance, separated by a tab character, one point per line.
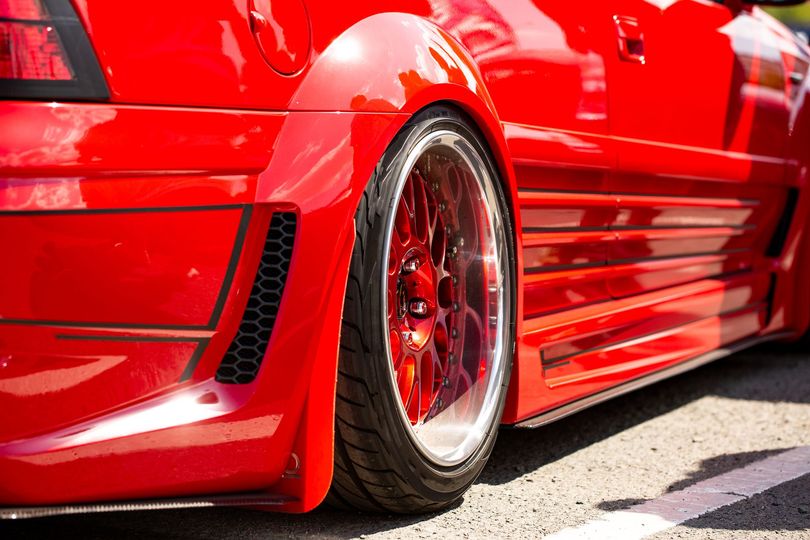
635	448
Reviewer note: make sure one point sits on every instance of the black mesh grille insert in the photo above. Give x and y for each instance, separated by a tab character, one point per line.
244	357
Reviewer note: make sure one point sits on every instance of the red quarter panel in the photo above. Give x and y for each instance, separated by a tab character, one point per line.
49	380
116	268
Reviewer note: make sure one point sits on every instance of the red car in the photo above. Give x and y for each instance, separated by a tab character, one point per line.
258	252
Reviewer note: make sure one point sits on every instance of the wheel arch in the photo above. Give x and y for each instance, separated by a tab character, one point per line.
421	66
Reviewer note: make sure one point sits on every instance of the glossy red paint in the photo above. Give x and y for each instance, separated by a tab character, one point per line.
282	33
648	175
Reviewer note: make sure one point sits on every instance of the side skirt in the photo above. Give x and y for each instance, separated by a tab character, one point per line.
589	401
243	499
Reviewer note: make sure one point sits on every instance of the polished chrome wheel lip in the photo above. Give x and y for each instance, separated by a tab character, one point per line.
501	355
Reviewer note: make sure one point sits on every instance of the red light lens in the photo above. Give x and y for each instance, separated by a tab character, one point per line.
27	10
30	48
32	51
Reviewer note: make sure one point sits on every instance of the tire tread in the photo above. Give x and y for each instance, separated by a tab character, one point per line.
365	475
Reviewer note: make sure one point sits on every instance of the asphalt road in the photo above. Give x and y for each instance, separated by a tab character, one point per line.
635	448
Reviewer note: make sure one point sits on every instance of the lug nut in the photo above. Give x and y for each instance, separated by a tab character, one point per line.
446	382
456	307
454	333
418	307
442	207
411	265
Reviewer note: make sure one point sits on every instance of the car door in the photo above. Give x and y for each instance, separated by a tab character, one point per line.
699	108
543	66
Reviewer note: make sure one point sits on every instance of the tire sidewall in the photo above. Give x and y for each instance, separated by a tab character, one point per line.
443	482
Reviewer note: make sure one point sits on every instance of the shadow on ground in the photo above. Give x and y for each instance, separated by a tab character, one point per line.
738	377
516	453
785	507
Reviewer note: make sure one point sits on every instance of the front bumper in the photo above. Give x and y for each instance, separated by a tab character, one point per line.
131	238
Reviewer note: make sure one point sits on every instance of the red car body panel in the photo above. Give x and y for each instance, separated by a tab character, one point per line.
651	152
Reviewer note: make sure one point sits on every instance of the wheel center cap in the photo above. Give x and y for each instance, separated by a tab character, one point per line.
416	297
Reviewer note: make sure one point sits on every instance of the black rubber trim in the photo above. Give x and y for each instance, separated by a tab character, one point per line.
89	325
779	238
236	254
137	339
563	267
770	298
616	262
202	344
559	361
623	228
88	82
541	314
577	405
635	194
194	359
256	499
565	229
128	210
222	296
242	361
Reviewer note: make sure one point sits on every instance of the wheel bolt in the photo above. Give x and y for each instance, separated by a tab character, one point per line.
454	333
439	403
446	382
442	207
411	265
418	307
456	307
434	186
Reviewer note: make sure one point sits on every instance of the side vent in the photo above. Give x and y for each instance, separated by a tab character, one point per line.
244	357
783	227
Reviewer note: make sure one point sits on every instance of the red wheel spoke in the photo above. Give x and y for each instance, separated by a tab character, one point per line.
438	246
442	270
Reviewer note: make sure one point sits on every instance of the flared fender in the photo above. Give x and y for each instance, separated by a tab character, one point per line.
417	65
396	62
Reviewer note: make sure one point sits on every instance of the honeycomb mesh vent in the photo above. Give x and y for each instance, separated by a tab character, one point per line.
244	357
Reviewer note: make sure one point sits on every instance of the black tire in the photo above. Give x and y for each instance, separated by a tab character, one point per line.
377	465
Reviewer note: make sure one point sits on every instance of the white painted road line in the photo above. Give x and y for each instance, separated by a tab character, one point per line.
698	499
